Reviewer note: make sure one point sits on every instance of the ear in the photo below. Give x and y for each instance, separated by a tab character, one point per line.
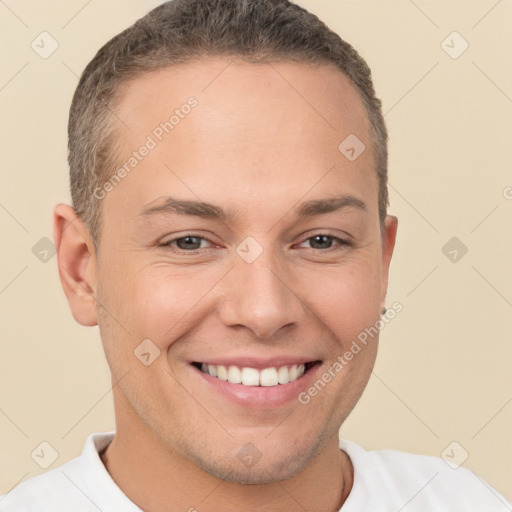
77	263
388	244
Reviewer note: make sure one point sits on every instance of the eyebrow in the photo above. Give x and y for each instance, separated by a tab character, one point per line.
171	205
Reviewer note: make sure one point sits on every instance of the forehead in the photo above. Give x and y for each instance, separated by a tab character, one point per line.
255	131
285	91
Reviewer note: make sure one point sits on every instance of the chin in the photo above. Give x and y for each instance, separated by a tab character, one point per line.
249	465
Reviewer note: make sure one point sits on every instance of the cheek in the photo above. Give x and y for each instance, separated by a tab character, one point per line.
161	303
345	298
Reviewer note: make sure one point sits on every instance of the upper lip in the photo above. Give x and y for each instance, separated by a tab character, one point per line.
258	362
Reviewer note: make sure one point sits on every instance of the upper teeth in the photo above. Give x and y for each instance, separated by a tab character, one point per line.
253	377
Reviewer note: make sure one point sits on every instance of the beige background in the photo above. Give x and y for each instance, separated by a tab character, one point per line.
444	367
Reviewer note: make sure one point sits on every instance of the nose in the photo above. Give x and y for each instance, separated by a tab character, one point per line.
260	297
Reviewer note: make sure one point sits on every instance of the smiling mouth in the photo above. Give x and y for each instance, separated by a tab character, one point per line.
248	376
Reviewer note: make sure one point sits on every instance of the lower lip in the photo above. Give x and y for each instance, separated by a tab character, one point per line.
259	397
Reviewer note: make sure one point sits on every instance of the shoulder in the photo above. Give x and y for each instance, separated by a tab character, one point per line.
78	485
44	492
410	482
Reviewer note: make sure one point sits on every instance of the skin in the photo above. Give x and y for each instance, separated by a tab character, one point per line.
257	146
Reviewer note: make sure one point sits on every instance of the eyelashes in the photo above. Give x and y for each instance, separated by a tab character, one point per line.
173	245
331	237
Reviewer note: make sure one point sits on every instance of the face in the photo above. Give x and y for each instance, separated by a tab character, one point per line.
271	281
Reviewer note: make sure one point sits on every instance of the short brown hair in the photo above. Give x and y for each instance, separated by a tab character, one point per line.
181	31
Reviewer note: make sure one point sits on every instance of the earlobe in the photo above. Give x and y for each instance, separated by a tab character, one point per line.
388	245
77	264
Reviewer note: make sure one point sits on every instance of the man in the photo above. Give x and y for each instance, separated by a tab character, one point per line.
229	236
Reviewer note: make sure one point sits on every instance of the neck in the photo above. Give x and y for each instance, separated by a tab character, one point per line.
154	476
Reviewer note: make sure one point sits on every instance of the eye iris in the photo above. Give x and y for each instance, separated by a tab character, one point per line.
326	239
194	240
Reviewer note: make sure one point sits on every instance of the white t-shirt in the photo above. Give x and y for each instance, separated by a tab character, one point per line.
384	481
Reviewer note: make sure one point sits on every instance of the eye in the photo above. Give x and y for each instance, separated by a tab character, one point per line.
186	243
192	243
324	241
